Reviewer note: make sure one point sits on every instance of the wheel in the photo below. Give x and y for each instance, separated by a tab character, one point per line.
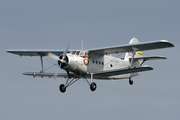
93	86
62	88
131	82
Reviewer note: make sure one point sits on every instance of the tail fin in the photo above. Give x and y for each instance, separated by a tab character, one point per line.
130	54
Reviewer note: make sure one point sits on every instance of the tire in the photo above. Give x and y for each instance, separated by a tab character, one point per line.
93	86
131	82
62	88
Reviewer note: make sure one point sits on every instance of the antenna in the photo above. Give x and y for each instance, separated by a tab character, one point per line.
82	44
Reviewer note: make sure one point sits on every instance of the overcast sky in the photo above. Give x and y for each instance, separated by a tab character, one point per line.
44	24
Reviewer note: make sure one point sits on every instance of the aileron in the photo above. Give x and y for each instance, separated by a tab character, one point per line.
39	74
37	52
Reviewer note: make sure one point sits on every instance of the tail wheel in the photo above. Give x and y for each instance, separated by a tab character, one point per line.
93	86
62	88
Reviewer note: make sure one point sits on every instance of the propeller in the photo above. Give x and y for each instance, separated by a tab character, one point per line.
56	73
61	60
67	47
53	56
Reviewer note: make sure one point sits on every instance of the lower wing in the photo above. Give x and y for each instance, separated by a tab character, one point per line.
39	74
104	74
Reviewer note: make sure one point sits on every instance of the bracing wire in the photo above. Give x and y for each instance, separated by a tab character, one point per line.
53	64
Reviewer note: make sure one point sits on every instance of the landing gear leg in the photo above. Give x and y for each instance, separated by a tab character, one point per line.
93	85
63	87
130	81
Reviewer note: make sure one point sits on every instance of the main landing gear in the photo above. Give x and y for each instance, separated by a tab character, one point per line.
63	87
130	81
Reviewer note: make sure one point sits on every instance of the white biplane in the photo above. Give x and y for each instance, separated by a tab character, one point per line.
97	63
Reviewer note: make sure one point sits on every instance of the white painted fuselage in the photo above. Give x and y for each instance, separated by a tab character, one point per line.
78	64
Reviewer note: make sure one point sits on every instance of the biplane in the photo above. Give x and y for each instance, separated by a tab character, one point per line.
97	63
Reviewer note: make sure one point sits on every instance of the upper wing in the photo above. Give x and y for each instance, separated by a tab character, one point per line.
105	74
128	48
101	51
35	52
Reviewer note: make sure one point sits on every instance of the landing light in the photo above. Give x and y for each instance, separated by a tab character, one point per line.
34	75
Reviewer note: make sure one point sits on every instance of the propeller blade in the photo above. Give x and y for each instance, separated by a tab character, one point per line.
53	56
64	54
61	62
56	73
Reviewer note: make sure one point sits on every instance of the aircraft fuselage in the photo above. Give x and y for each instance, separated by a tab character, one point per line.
84	65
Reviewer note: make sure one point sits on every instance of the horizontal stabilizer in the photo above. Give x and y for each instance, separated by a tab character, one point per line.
150	58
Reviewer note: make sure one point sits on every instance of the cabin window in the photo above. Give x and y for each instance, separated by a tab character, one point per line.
98	62
93	61
111	65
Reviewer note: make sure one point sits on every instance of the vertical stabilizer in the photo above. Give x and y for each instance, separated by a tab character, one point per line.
133	40
129	54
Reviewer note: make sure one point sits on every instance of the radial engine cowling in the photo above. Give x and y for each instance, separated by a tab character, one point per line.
70	62
65	63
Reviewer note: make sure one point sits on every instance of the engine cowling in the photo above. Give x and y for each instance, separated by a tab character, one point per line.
69	62
65	64
75	64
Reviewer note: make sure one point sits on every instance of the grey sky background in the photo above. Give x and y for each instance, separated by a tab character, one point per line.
42	24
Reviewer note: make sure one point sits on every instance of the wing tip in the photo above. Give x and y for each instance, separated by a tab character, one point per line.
166	41
147	66
9	50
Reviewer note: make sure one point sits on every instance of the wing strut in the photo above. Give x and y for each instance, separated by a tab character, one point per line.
42	71
134	52
92	77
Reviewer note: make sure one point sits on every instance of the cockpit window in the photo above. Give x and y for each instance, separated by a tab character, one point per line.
77	53
82	53
73	52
